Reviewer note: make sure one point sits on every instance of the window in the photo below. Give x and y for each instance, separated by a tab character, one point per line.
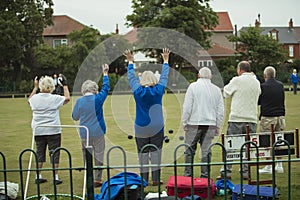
291	51
274	35
58	42
205	63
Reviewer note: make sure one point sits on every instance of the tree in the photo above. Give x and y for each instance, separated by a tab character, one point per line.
21	28
191	18
260	50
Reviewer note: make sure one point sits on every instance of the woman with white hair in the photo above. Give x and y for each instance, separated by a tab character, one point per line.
149	120
45	111
89	110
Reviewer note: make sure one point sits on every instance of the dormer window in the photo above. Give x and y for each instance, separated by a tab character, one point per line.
273	34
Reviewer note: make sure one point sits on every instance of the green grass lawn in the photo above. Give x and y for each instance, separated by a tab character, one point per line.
16	135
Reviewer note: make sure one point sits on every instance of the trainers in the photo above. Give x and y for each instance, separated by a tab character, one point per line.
155	183
58	181
279	169
266	170
97	184
41	180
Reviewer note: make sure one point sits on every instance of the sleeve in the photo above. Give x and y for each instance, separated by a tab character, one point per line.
133	80
164	75
187	106
60	100
75	113
105	88
230	88
220	111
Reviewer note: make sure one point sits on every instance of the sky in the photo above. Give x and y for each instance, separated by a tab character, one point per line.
105	14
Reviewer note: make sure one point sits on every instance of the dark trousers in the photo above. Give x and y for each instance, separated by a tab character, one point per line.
150	155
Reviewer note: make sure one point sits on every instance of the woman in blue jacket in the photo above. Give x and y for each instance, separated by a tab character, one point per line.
149	120
89	110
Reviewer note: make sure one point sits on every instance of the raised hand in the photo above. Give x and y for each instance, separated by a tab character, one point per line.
105	69
165	55
129	55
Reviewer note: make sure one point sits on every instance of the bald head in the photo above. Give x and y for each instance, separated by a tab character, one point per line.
204	72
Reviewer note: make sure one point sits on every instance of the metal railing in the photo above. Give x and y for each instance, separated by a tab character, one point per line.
89	170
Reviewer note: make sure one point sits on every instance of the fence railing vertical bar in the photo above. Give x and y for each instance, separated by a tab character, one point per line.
189	148
24	193
224	155
70	170
4	174
124	168
289	167
149	146
247	146
297	142
89	172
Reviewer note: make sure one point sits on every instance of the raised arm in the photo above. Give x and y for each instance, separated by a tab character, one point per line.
105	86
165	68
36	87
133	80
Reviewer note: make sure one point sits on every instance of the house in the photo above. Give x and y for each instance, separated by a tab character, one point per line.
288	36
56	34
221	46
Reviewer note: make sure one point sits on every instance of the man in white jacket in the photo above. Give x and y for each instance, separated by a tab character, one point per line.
202	117
244	91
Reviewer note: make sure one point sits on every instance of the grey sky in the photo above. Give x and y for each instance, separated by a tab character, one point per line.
105	14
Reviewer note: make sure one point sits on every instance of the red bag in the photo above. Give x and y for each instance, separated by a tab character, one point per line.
184	187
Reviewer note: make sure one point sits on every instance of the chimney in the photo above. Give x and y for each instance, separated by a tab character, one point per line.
117	29
257	23
291	24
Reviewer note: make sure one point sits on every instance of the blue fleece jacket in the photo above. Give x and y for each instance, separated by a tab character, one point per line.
117	183
88	109
149	114
294	78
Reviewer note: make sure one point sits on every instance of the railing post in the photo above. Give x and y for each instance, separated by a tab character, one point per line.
89	172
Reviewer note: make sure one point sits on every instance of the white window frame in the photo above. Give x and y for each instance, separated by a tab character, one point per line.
291	51
205	63
61	42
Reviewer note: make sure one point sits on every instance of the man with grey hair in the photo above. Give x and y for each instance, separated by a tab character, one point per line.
244	91
202	117
89	110
272	109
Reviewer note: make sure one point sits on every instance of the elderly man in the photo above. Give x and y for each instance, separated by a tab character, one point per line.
272	109
244	91
202	117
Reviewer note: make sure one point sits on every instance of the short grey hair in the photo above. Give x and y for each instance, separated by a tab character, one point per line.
89	86
270	72
205	72
46	84
148	79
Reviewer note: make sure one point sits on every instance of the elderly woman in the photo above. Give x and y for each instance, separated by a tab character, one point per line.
149	121
45	111
89	110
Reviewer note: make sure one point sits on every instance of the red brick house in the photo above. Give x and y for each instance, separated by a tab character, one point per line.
63	25
288	36
221	47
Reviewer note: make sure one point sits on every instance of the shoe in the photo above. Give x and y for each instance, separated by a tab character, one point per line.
266	170
155	183
279	169
97	184
58	181
41	180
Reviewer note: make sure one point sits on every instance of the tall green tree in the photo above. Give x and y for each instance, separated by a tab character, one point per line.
21	27
260	50
191	18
